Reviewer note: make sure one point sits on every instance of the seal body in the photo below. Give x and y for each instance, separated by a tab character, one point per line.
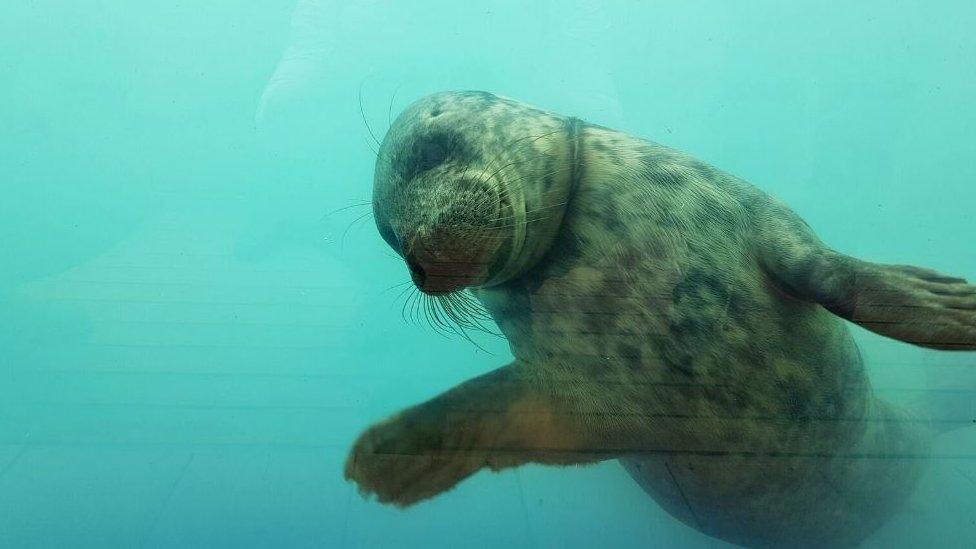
663	313
653	303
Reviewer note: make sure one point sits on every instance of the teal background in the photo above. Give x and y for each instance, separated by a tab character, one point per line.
191	336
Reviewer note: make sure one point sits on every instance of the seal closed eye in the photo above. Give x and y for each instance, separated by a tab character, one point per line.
430	151
659	312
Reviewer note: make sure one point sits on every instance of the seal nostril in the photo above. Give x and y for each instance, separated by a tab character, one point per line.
417	273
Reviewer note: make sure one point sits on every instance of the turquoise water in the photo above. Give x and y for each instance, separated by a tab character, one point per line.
191	336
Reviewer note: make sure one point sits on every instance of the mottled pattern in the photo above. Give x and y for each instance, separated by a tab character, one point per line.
669	315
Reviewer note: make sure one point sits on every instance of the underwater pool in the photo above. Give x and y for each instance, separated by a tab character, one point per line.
204	305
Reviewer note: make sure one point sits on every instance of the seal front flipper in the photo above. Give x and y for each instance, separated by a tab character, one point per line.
911	304
501	419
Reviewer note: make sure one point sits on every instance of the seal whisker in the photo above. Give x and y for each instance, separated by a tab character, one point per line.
440	314
451	306
435	318
510	165
350	226
373	149
504	193
399	285
404	296
406	293
349	207
553	172
466	311
544	196
389	111
456	324
425	311
528	213
406	302
362	113
415	307
511	146
518	141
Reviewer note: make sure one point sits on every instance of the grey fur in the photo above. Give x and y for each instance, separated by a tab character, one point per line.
660	312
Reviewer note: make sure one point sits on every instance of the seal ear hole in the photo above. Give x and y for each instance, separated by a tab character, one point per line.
436	112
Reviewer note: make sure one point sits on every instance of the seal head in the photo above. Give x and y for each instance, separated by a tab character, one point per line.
470	188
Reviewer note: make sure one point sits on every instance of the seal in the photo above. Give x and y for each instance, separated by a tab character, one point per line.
659	312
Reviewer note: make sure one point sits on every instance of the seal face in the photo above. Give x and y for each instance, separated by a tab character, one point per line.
462	181
659	312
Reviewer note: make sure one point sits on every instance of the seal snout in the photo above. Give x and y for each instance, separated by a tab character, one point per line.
440	264
417	272
451	232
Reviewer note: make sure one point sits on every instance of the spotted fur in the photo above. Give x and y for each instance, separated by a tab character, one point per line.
663	313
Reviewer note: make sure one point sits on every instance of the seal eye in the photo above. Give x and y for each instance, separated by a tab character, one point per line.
430	151
432	154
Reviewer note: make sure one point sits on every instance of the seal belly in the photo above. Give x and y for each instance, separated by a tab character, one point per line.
793	497
800	452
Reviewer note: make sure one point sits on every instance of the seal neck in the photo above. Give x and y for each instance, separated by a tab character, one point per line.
533	237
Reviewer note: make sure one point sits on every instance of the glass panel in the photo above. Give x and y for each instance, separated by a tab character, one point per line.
540	274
